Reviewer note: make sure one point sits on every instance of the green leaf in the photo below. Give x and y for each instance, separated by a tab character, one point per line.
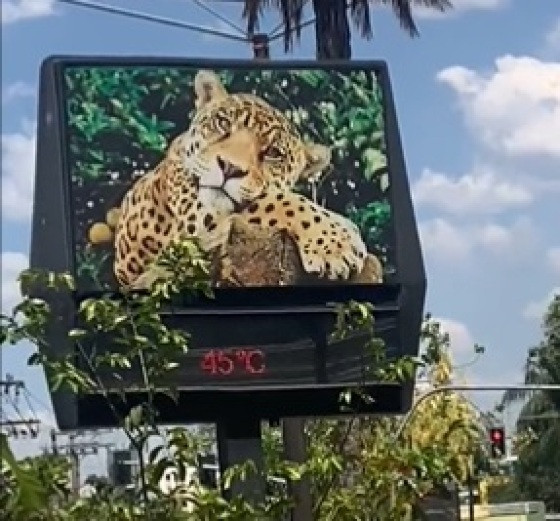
154	453
375	160
35	359
32	495
135	416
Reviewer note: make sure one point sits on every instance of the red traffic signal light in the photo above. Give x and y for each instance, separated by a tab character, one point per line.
496	435
497	442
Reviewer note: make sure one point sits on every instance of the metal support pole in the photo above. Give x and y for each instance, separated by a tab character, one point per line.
261	47
239	441
295	449
470	482
293	429
54	447
75	471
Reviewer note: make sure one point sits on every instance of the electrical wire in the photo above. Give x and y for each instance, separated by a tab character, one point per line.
205	7
25	421
29	404
280	34
139	15
15	407
42	403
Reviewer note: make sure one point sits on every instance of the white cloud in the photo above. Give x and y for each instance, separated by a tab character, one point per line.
514	109
13	263
460	337
495	237
16	10
459	7
18	172
455	243
553	259
478	4
537	308
19	89
443	240
478	192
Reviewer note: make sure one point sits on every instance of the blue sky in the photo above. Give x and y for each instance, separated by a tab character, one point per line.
478	99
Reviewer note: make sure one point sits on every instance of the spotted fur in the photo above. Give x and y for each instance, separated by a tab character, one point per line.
239	159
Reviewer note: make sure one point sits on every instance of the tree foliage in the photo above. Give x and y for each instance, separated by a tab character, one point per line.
332	24
359	468
446	419
537	472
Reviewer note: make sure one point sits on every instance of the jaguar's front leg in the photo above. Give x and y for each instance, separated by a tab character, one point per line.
214	240
329	244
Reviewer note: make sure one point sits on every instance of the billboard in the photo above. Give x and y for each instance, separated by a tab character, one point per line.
290	175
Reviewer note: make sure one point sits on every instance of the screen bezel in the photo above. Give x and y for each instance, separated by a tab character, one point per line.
302	294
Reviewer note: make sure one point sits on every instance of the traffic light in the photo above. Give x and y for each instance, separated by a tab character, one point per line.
497	442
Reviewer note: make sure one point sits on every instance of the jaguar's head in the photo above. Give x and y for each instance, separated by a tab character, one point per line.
238	144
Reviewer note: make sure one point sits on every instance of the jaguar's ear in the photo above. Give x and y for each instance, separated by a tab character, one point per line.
318	158
207	87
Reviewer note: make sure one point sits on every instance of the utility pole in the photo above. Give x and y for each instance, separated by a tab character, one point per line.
18	428
22	426
470	483
9	383
76	450
293	429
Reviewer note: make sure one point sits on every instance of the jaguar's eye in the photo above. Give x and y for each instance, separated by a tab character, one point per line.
223	124
273	153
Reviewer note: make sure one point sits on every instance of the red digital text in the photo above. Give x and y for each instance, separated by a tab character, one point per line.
226	362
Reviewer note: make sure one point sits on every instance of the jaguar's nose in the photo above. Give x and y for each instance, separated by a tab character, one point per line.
229	170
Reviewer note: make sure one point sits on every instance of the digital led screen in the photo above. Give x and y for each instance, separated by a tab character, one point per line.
274	171
290	175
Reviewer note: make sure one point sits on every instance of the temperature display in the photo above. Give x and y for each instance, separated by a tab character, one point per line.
237	361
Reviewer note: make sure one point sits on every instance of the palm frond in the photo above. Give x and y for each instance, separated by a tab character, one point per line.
252	11
360	12
291	12
438	5
403	11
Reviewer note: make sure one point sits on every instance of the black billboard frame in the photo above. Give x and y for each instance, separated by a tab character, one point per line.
52	250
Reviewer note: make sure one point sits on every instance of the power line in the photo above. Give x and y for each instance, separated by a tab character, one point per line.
139	15
25	426
6	386
220	17
280	34
281	24
29	404
42	403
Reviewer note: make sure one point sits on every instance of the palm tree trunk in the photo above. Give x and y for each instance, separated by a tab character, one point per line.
332	29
